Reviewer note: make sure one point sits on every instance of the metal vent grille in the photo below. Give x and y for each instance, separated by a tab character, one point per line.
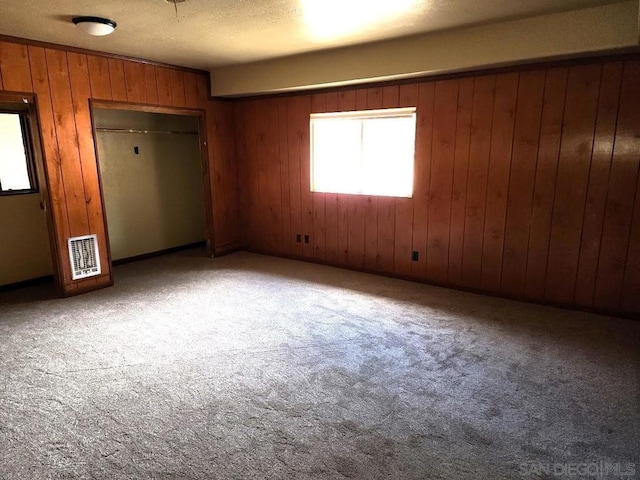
84	257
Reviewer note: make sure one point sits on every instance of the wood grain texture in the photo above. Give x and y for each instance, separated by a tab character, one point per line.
134	80
545	181
117	79
504	108
64	83
571	186
408	97
99	78
151	85
460	179
422	175
526	137
623	180
52	164
163	84
80	93
441	182
330	227
14	67
319	105
524	185
479	154
598	185
177	88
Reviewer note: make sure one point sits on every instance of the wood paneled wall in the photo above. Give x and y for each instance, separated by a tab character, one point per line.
526	184
64	82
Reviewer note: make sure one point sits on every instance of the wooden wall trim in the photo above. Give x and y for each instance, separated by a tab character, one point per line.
64	82
86	51
525	184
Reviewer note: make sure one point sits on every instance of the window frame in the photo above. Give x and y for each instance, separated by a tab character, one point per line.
362	116
25	114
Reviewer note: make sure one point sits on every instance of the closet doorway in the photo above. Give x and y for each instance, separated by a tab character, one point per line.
151	174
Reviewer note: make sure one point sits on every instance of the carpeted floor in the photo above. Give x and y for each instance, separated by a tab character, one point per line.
249	366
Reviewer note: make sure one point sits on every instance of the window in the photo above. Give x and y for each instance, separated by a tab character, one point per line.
367	153
16	154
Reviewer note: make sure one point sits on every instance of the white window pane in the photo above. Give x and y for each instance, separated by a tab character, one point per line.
388	149
369	152
14	174
336	156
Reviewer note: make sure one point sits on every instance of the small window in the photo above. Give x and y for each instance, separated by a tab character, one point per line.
16	158
366	153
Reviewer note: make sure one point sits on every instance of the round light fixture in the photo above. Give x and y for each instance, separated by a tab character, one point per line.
96	26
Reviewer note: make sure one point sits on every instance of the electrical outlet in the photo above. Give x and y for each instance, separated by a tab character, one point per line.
414	256
306	239
299	238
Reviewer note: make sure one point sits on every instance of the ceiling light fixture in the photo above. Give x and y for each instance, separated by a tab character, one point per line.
96	26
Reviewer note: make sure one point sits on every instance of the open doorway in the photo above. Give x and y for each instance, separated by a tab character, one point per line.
25	249
151	173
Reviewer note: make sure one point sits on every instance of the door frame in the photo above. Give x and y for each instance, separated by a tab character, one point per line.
204	158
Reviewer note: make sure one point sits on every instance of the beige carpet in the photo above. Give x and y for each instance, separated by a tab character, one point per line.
249	366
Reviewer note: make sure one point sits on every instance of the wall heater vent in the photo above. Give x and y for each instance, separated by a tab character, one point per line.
84	257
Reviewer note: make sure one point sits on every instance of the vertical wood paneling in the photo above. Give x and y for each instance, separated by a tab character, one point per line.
598	183
479	151
163	84
387	205
622	189
190	90
303	112
14	67
545	181
422	175
459	186
374	101
80	93
134	80
505	184
498	179
151	86
177	88
294	107
408	97
331	201
67	137
526	136
273	214
357	209
211	207
64	83
319	105
346	103
40	81
288	239
573	172
118	81
99	77
631	289
244	190
441	181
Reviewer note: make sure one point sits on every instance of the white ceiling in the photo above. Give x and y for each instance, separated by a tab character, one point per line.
211	33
